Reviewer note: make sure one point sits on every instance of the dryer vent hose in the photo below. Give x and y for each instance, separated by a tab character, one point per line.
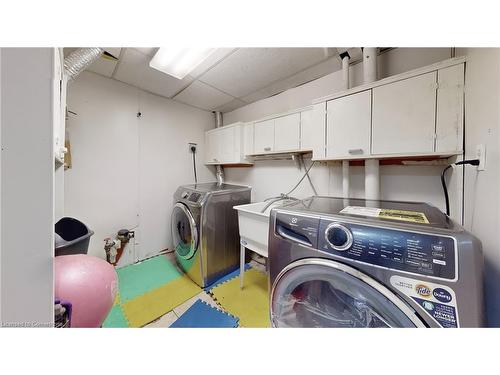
78	60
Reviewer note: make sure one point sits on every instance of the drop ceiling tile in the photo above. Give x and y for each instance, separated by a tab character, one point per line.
319	70
231	106
149	51
200	95
212	60
134	69
250	69
105	65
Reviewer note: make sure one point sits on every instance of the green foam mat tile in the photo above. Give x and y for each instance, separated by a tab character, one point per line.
137	279
116	318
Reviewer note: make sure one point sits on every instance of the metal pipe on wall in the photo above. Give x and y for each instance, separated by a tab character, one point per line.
372	167
219	171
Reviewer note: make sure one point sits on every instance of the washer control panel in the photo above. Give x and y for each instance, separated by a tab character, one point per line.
416	253
423	254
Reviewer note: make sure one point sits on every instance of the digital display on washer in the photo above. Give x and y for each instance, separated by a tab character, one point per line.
422	254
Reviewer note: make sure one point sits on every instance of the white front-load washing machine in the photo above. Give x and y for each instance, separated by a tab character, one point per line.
338	262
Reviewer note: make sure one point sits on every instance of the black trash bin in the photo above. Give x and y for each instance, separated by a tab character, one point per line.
71	237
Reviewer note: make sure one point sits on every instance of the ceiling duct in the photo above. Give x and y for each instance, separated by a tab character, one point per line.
77	61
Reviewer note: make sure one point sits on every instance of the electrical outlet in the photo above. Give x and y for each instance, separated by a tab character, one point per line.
481	155
192	147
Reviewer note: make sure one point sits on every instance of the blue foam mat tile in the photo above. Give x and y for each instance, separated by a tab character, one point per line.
229	276
202	315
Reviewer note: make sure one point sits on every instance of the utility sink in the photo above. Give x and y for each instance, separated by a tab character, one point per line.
254	225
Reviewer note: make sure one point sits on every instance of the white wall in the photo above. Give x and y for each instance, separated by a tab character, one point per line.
27	186
125	169
417	183
392	62
482	189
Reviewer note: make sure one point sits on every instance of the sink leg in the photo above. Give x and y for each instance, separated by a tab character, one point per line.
242	265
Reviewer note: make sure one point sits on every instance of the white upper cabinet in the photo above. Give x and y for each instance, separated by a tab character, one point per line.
225	145
301	131
287	133
349	126
450	109
404	116
312	130
248	138
263	137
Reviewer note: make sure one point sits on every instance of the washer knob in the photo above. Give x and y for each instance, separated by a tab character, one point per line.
338	236
184	195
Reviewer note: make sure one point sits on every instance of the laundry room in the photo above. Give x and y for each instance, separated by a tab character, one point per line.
216	184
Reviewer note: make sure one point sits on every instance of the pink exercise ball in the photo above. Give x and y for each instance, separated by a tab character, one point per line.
89	284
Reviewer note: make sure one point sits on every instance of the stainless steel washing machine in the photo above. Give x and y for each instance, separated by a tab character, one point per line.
205	232
356	263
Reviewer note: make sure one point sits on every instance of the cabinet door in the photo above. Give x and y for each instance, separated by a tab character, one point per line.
211	147
404	116
306	131
349	126
226	145
248	139
450	109
287	133
263	136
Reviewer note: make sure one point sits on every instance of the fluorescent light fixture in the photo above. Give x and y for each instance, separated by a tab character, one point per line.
179	62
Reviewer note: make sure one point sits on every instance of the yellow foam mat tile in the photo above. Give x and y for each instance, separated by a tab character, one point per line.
157	302
250	304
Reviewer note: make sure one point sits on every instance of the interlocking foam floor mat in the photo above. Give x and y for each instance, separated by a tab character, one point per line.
137	279
202	315
148	290
115	318
159	301
229	276
250	304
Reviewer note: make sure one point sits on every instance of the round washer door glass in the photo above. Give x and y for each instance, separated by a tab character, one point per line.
184	231
323	293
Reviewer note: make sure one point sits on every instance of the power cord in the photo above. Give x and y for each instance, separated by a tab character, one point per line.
193	151
443	182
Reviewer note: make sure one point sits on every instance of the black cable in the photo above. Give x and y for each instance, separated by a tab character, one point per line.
445	190
194	167
443	182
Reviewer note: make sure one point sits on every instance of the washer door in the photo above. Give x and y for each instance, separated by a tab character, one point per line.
325	293
184	231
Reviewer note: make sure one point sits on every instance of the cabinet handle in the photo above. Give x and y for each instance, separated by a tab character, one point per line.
353	151
267	148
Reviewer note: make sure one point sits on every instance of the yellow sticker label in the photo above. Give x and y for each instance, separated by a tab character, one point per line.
409	216
384	213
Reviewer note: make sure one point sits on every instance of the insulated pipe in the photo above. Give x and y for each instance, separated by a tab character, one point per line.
372	169
345	70
345	163
345	178
369	65
219	171
372	179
